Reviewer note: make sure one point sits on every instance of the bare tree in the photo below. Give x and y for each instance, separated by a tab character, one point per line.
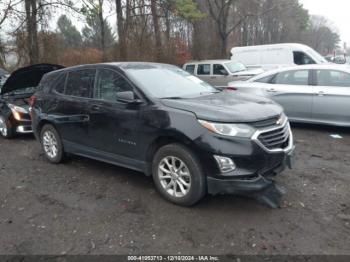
156	29
94	10
221	12
5	11
321	35
31	10
121	27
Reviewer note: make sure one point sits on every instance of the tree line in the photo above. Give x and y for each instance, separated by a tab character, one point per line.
171	31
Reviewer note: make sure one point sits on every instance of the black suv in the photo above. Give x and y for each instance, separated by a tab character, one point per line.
162	121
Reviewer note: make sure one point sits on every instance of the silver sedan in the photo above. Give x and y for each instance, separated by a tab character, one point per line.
309	94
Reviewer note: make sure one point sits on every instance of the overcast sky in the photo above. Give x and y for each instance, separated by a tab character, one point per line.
338	11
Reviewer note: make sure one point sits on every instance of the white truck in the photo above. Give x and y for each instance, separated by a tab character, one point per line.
275	56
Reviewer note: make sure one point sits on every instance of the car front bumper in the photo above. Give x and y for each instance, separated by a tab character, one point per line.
21	126
247	185
259	186
255	166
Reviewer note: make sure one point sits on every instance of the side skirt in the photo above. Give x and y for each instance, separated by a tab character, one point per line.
109	158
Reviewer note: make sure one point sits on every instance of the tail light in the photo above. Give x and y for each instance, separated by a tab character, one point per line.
32	101
231	88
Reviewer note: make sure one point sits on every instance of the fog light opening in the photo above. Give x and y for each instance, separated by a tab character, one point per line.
20	129
225	164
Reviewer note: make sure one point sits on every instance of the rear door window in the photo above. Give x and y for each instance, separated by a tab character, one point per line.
203	69
298	77
333	78
81	83
109	83
190	69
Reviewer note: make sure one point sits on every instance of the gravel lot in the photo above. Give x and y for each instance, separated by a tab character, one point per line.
88	207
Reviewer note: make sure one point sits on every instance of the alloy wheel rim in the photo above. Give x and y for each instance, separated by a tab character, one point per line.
3	127
174	176
50	144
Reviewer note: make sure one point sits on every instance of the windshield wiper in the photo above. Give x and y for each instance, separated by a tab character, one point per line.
189	97
173	97
208	93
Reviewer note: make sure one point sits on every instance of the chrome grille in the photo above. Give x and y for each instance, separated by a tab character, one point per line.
266	123
277	138
271	122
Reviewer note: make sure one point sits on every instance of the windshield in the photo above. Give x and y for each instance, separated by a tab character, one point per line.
235	67
169	82
317	56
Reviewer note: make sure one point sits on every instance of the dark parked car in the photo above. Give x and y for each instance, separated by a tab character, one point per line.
160	120
14	98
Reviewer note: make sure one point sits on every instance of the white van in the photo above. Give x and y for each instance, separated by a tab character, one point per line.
274	56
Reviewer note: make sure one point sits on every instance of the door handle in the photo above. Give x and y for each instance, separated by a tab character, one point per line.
321	93
85	118
272	90
213	77
95	107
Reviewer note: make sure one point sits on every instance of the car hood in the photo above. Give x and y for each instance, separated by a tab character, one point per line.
252	72
229	107
29	76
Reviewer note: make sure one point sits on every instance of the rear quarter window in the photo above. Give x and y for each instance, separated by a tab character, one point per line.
266	79
46	82
58	83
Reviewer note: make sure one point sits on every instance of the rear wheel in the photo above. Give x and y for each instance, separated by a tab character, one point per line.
51	144
5	129
178	175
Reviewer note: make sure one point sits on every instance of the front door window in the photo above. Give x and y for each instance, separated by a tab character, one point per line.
109	83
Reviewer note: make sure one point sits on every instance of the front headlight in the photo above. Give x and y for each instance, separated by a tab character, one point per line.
17	111
234	130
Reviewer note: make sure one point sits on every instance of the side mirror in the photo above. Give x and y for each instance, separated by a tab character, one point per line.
128	97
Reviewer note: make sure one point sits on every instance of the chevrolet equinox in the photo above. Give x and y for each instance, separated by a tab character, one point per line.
166	123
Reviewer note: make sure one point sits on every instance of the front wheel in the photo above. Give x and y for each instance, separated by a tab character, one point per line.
51	144
178	175
5	129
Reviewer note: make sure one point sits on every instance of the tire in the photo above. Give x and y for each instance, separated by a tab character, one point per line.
6	131
51	144
185	163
